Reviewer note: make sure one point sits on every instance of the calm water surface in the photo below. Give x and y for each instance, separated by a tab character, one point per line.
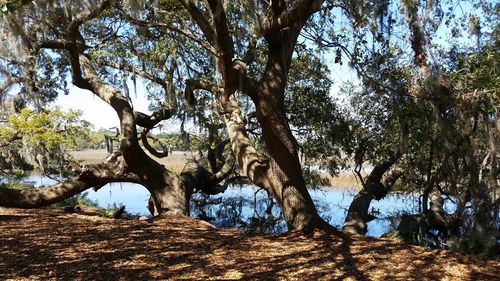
239	206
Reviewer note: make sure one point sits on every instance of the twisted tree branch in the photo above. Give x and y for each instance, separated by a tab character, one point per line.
88	177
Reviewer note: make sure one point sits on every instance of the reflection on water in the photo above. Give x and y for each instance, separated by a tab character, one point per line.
249	208
243	207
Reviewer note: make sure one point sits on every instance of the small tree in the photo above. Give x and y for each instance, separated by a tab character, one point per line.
42	138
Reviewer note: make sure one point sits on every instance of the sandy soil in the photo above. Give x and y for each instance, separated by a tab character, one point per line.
48	244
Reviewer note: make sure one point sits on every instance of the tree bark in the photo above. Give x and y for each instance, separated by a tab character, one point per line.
284	176
279	172
357	215
93	176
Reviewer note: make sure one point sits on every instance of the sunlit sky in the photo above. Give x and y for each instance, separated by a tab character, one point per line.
96	111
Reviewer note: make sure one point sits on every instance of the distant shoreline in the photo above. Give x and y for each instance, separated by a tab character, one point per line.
178	159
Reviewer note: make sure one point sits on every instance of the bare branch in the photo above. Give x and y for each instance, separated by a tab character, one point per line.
224	171
54	44
140	72
357	171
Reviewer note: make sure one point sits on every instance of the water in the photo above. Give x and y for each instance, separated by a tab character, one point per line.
245	206
133	196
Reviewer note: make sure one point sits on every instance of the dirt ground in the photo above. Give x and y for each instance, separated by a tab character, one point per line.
48	244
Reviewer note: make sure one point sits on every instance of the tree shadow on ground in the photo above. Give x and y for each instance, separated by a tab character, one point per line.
49	244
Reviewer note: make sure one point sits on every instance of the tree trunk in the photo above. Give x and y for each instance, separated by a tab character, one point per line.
168	192
357	215
286	182
279	172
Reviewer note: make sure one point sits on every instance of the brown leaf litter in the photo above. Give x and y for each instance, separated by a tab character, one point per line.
48	244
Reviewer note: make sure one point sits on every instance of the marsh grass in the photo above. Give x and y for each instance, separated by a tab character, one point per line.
176	161
343	180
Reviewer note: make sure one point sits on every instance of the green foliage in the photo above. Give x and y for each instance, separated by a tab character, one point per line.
319	125
13	180
195	142
314	178
12	5
50	128
93	139
477	71
441	118
79	199
41	138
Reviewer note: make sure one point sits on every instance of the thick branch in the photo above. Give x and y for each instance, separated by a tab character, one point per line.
198	84
200	20
224	42
374	185
91	176
358	216
145	143
197	177
224	171
54	44
252	163
132	152
246	84
149	121
297	15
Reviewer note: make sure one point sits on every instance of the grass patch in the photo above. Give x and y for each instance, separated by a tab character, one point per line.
79	199
14	180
